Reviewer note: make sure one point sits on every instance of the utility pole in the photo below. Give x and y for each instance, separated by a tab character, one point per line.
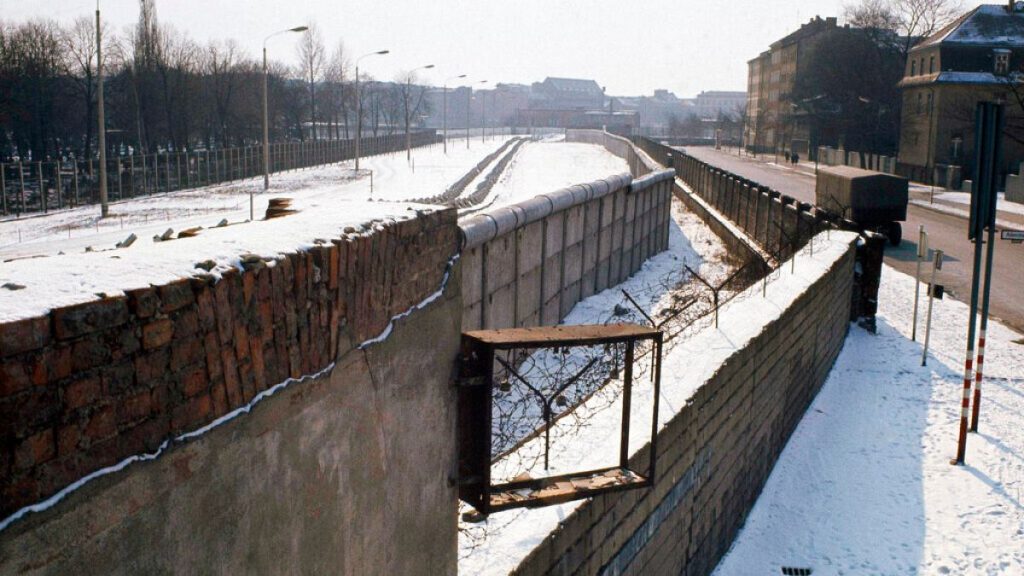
104	208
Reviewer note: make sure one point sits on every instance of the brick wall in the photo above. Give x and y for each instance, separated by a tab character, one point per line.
89	385
714	455
530	263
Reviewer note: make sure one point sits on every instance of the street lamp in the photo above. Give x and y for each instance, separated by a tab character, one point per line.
266	126
469	105
446	109
359	103
408	113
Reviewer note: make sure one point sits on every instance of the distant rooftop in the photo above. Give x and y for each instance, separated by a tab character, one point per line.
988	25
573	85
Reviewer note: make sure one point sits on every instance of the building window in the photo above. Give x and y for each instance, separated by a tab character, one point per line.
1002	61
929	107
931	65
913	67
920	106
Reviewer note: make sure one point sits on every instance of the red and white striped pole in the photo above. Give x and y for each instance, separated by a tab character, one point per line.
961	445
977	381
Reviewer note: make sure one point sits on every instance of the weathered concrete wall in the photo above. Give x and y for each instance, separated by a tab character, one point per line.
715	454
530	263
347	472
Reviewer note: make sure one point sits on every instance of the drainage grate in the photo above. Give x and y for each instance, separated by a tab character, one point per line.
791	571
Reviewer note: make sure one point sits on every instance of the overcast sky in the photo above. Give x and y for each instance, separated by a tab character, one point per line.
629	47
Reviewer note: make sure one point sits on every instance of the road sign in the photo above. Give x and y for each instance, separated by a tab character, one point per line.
1015	236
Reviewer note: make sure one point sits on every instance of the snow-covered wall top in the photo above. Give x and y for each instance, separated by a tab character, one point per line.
729	396
483	227
84	386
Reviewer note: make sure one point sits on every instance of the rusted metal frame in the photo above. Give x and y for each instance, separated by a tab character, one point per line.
627	396
476	376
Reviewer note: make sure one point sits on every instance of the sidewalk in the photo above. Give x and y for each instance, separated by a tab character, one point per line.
953	202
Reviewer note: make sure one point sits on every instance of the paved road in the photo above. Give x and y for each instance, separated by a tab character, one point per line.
947	232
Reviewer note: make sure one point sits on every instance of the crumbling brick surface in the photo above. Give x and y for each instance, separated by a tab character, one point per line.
89	385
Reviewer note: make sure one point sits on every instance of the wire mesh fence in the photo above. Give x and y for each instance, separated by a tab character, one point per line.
41	187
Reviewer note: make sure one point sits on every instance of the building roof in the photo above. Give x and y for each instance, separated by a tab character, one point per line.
986	25
815	26
722	94
573	85
951	77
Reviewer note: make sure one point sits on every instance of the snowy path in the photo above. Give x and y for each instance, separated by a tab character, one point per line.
865	485
549	165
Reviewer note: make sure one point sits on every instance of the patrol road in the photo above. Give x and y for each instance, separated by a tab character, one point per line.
947	232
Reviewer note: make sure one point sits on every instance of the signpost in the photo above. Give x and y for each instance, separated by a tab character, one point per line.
934	291
988	131
1014	236
922	254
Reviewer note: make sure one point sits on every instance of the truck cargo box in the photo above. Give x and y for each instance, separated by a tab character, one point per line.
866	197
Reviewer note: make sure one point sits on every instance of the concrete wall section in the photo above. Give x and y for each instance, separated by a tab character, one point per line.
530	263
715	454
345	472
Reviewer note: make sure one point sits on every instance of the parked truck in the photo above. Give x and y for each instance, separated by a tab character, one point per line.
874	200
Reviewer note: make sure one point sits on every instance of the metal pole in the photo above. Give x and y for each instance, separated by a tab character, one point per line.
359	116
266	136
922	253
469	104
984	317
104	209
445	115
987	142
931	299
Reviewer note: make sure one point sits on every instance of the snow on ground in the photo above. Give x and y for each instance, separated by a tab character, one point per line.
865	485
498	544
964	198
58	271
549	165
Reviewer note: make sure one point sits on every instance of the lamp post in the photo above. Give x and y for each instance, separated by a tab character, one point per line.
445	98
359	103
469	106
408	113
266	114
100	119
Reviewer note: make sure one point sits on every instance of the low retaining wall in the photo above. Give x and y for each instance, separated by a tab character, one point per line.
343	466
779	224
716	453
530	263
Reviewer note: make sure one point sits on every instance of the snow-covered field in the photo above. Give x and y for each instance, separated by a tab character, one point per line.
47	269
550	164
865	485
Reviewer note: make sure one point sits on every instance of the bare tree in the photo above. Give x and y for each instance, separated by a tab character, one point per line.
909	20
312	56
220	66
410	98
79	51
337	73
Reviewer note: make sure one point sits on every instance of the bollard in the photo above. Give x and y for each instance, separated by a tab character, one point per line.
931	299
922	253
